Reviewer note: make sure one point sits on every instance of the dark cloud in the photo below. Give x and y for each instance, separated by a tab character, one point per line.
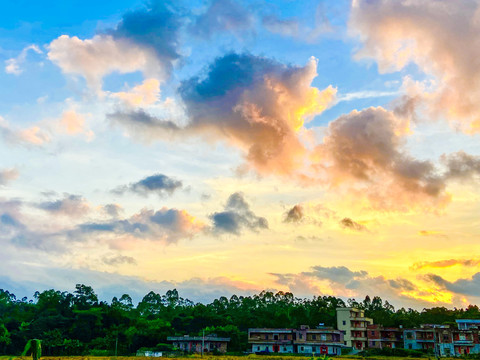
348	223
294	215
143	125
221	16
156	25
253	103
165	225
159	184
113	210
338	274
460	286
461	165
236	217
70	205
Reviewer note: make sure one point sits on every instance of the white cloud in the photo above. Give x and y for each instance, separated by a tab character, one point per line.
13	65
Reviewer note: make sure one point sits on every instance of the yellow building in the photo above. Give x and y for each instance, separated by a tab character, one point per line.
353	323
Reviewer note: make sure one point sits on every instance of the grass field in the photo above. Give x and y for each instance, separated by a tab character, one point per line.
209	357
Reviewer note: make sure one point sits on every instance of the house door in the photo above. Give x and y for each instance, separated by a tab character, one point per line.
276	348
323	349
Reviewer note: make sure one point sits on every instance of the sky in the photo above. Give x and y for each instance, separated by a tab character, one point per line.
227	147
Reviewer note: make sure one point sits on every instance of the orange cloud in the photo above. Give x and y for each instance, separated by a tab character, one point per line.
440	37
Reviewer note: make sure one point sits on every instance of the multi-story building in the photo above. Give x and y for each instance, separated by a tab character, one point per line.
443	340
271	340
321	340
353	324
465	342
468	324
380	337
422	338
196	343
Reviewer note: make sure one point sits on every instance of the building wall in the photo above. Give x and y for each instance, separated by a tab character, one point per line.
353	323
282	349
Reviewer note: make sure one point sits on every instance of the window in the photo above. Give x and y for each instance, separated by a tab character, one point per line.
258	348
275	337
284	348
323	337
373	333
300	336
344	322
285	337
314	349
314	337
266	336
301	348
410	346
344	343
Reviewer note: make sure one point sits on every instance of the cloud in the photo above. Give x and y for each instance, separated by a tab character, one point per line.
367	148
8	175
286	27
145	126
155	26
42	132
145	40
116	260
253	103
13	65
109	284
439	37
298	214
101	55
337	274
71	205
159	184
445	263
343	282
460	286
348	223
144	94
112	210
73	123
292	27
20	230
258	105
236	217
294	215
220	17
32	136
165	225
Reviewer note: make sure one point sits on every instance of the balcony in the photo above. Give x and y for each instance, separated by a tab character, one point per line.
260	340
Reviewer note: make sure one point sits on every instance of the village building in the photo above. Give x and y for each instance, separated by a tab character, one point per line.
353	324
322	340
194	344
271	340
380	337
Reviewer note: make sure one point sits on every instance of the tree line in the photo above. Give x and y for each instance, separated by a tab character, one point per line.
78	323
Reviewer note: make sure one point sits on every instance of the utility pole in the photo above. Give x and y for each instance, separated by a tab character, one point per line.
203	340
116	345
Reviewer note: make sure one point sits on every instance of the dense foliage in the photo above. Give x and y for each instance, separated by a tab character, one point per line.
78	323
